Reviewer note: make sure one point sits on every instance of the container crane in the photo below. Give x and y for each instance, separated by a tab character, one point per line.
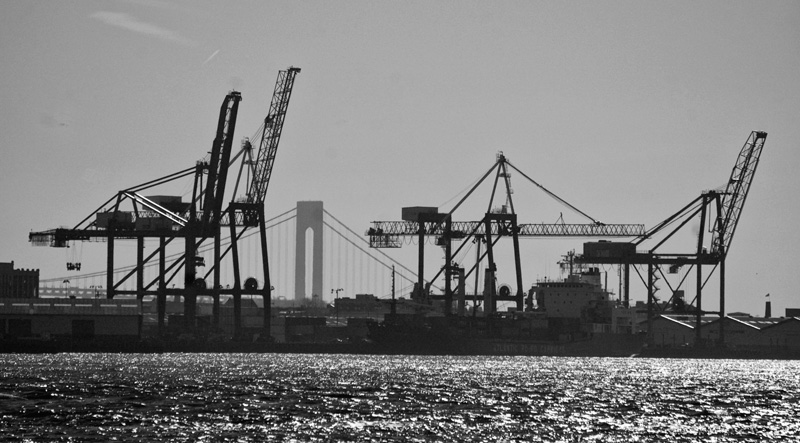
167	218
725	206
493	226
161	217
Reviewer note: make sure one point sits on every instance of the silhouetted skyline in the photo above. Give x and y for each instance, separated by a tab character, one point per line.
628	110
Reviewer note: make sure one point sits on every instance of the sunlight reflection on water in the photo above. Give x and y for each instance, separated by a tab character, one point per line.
280	397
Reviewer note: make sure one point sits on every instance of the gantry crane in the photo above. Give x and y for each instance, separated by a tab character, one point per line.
164	218
201	219
494	225
725	206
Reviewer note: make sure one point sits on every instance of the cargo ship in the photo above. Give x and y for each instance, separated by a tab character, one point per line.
572	317
432	339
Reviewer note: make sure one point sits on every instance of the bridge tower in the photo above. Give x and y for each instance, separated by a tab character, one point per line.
309	218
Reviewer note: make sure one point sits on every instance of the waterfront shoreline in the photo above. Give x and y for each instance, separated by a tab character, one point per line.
489	348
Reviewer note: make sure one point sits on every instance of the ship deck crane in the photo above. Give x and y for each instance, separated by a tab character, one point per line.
493	226
722	208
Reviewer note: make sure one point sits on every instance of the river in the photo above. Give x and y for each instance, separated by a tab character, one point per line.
314	397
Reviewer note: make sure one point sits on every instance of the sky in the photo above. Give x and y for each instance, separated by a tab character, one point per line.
626	109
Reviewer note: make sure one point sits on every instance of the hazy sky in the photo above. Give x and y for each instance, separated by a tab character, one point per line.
628	110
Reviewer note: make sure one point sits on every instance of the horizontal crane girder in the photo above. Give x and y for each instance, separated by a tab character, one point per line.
647	258
60	237
410	228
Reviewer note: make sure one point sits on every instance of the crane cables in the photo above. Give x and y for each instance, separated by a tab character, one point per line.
552	195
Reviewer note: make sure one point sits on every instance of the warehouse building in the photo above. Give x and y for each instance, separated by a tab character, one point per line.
18	283
73	318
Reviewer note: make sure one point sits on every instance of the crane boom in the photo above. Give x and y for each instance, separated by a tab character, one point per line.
220	157
410	228
273	125
736	192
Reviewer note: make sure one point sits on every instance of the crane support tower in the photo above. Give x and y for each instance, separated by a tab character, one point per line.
721	208
422	222
167	218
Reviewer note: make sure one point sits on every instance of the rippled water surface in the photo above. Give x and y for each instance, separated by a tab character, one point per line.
273	397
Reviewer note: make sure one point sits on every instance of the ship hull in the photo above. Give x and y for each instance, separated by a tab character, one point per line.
403	340
593	347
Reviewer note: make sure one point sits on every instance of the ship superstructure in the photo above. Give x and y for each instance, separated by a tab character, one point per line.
578	297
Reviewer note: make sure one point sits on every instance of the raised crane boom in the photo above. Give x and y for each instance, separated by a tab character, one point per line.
270	136
220	157
736	192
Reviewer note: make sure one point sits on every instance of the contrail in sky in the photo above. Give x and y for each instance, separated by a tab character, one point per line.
211	56
130	23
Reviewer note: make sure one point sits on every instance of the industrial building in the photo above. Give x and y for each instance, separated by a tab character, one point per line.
784	335
70	318
18	283
746	333
672	330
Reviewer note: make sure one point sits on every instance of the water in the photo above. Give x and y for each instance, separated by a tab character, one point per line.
274	397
